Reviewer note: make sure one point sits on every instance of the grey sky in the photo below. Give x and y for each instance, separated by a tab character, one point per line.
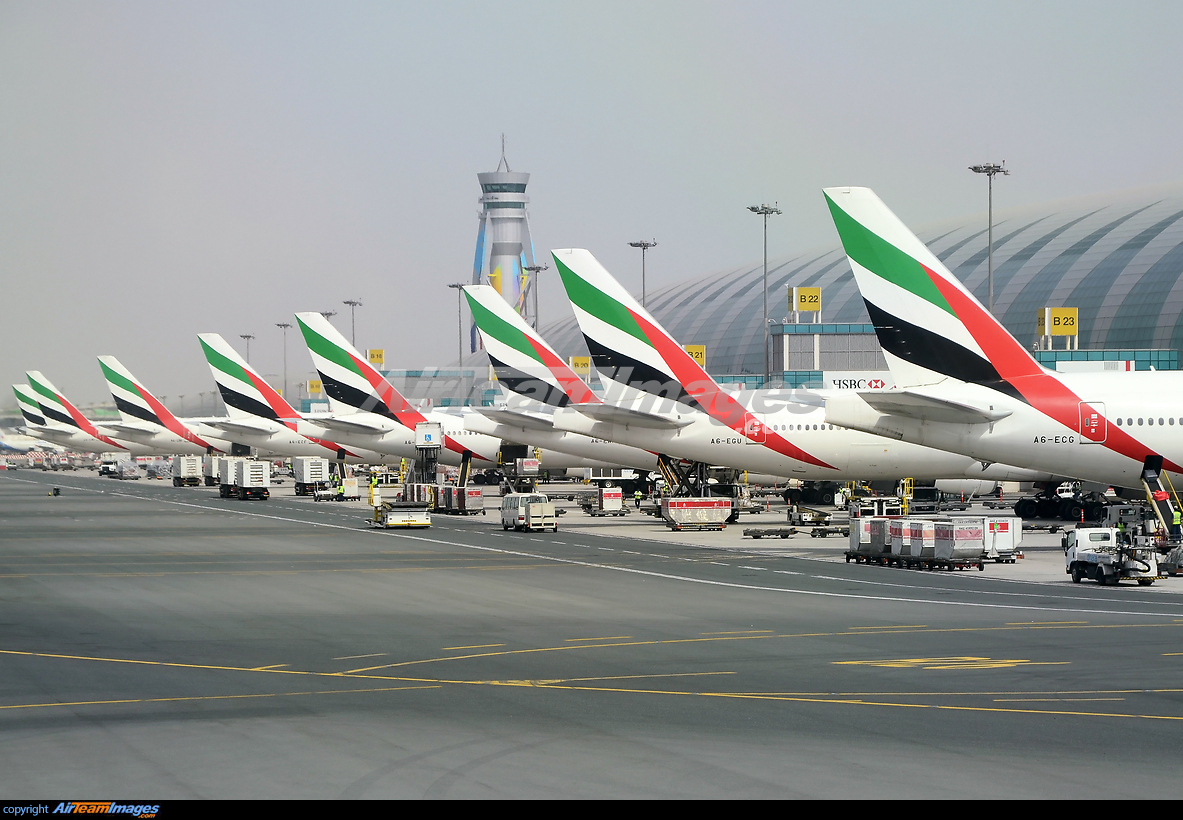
169	168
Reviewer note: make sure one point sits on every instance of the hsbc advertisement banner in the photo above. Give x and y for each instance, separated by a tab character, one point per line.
857	380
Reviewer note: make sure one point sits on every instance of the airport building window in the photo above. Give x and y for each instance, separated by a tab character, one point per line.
489	206
504	188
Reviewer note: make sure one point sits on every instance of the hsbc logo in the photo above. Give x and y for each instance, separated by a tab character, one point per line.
864	380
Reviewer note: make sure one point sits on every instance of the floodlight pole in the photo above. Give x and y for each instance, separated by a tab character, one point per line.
353	305
284	327
765	211
459	324
644	246
534	271
990	169
247	338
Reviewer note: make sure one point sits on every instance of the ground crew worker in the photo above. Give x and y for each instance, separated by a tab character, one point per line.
637	499
1175	526
1121	532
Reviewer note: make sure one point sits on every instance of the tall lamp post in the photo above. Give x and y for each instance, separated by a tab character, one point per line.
765	211
644	246
354	304
534	271
247	338
459	324
990	169
284	327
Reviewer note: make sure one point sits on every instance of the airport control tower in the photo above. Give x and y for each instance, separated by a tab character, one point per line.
503	245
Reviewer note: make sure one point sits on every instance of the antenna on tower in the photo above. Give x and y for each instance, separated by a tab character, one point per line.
504	161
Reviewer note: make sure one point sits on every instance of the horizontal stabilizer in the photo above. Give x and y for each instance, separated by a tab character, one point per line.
133	431
514	418
929	408
348	424
633	418
242	426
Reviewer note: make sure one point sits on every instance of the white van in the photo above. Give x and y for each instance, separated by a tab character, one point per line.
532	512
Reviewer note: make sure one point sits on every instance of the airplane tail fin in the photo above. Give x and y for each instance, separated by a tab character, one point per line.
629	346
244	391
348	377
137	404
524	363
929	325
59	411
26	400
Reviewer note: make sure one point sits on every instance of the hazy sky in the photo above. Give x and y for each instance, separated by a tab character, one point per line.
173	168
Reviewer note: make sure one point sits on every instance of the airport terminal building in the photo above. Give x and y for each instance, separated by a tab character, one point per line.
1117	258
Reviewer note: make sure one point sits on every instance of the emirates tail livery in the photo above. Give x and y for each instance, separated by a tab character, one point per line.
964	384
529	367
262	418
65	424
367	409
768	432
146	420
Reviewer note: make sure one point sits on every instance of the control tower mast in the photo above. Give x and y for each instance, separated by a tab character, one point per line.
503	245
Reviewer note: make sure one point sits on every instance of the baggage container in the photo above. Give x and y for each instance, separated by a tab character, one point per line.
1004	535
959	540
922	537
609	500
860	536
696	513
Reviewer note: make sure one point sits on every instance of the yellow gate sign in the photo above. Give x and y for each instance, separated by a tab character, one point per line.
314	387
377	358
581	365
807	299
1056	322
699	354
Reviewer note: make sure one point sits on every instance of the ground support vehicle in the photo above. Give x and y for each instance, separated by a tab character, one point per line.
606	501
1108	555
696	513
186	471
252	479
127	471
311	473
812	492
531	512
770	532
406	514
209	470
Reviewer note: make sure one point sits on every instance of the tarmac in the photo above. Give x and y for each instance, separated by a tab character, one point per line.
163	642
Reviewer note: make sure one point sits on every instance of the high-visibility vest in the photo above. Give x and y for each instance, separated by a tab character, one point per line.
1178	516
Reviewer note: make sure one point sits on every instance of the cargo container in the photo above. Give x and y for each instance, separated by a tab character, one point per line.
696	513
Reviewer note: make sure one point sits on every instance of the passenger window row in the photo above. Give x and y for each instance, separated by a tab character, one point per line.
1149	422
783	428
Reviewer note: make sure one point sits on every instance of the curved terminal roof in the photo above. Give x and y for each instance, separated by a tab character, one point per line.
1116	257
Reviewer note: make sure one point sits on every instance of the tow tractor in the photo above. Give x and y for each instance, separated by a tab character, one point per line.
1117	548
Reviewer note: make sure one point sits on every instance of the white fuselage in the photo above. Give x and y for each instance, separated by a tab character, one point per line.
1149	405
849	454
